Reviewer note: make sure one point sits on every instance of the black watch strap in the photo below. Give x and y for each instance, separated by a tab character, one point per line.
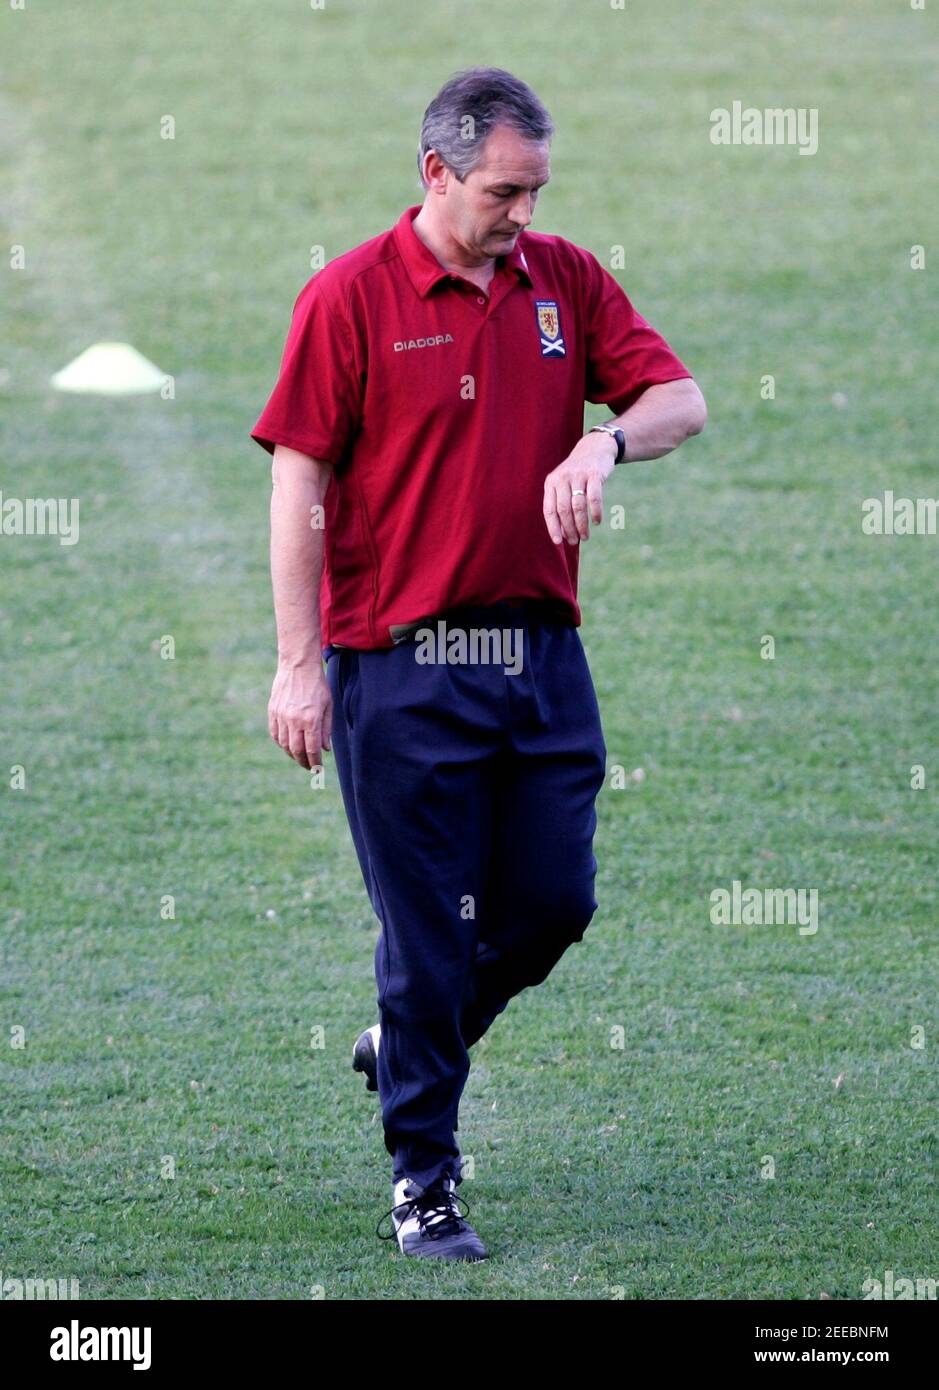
618	435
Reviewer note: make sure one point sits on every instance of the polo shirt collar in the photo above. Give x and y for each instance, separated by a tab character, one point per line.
426	271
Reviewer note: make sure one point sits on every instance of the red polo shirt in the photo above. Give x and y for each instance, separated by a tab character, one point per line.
442	410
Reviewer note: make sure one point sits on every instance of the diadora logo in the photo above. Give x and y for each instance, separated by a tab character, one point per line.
549	328
405	346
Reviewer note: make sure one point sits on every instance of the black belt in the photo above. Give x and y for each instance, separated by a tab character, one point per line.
530	609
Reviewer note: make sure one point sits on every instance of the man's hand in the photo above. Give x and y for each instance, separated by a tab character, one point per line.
664	416
300	713
575	489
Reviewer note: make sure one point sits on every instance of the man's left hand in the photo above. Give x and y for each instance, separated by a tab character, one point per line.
573	492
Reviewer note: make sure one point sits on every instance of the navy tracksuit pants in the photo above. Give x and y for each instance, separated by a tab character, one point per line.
470	793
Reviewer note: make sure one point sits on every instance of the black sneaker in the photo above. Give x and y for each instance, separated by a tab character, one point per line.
365	1055
428	1223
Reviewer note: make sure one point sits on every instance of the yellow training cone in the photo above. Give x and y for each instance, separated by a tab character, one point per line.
110	369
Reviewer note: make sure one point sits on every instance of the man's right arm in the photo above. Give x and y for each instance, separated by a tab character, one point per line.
300	708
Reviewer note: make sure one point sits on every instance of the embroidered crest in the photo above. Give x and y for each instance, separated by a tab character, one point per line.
549	328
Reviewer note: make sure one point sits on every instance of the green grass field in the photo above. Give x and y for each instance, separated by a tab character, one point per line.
599	1172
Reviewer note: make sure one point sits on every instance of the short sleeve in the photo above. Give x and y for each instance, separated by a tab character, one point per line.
624	353
316	402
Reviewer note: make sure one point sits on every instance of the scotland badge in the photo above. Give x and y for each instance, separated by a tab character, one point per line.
549	328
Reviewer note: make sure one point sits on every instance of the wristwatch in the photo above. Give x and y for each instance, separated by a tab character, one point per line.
618	435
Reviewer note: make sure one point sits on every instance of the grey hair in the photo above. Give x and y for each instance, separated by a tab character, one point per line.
464	111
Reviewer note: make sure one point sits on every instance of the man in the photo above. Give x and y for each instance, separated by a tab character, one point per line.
432	484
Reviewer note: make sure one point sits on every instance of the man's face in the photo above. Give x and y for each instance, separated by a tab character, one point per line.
497	199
